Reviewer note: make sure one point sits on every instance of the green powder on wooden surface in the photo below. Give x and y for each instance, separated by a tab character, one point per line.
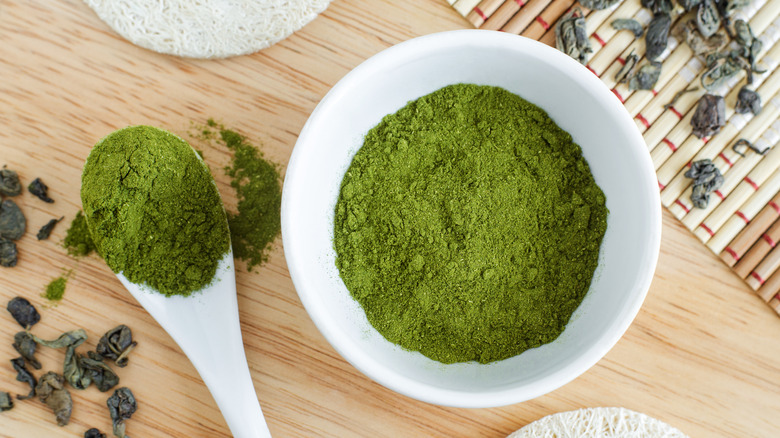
77	241
468	226
153	210
56	289
257	222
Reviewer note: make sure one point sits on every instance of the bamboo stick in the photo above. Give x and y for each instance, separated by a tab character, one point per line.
774	303
465	6
503	14
744	214
681	153
770	289
758	251
483	11
525	16
765	269
547	19
661	120
751	183
751	234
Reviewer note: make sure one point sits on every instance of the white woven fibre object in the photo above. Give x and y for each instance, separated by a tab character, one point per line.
598	423
206	28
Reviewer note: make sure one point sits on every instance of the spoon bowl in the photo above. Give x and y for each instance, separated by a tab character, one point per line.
206	327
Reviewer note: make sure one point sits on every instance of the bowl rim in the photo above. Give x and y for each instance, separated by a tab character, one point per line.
387	377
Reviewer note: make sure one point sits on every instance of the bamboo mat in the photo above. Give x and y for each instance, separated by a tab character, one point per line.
741	223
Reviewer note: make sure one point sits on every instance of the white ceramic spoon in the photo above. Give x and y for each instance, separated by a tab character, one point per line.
206	327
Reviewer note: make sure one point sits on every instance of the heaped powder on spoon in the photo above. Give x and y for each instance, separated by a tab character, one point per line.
153	210
468	226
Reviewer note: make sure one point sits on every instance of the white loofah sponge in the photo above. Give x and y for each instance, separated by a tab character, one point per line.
598	423
206	28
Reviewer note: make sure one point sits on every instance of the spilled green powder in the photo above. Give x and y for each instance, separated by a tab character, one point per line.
56	289
468	226
77	241
153	210
258	187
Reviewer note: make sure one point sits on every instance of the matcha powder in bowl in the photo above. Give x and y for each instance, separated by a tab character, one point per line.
154	211
468	226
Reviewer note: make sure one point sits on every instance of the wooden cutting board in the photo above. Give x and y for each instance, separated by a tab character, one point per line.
703	354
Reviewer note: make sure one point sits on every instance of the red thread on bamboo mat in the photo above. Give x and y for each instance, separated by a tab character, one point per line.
480	13
769	240
751	182
676	113
720	195
755	275
742	216
707	229
704	140
775	206
654	91
598	39
661	186
621	60
520	3
732	253
614	90
725	158
592	71
671	145
642	119
681	204
541	21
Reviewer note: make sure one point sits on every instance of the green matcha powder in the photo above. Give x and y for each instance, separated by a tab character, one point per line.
468	226
153	210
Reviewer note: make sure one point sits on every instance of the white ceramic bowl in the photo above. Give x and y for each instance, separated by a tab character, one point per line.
579	103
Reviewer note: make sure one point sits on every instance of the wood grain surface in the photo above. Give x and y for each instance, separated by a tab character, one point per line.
703	354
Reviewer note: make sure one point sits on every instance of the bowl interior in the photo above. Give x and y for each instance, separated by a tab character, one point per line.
580	104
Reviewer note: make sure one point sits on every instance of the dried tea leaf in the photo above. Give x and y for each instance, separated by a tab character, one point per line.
657	35
72	338
628	24
627	70
728	7
720	71
12	221
116	345
94	433
706	179
8	253
708	18
23	312
40	190
6	401
688	32
748	101
598	4
738	147
51	390
646	77
26	346
678	95
121	406
658	6
73	372
9	182
571	37
24	376
689	4
101	374
46	230
709	117
743	34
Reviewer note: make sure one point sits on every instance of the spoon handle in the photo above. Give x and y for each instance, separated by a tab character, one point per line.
207	328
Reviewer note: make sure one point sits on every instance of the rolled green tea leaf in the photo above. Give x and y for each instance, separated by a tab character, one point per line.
51	390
